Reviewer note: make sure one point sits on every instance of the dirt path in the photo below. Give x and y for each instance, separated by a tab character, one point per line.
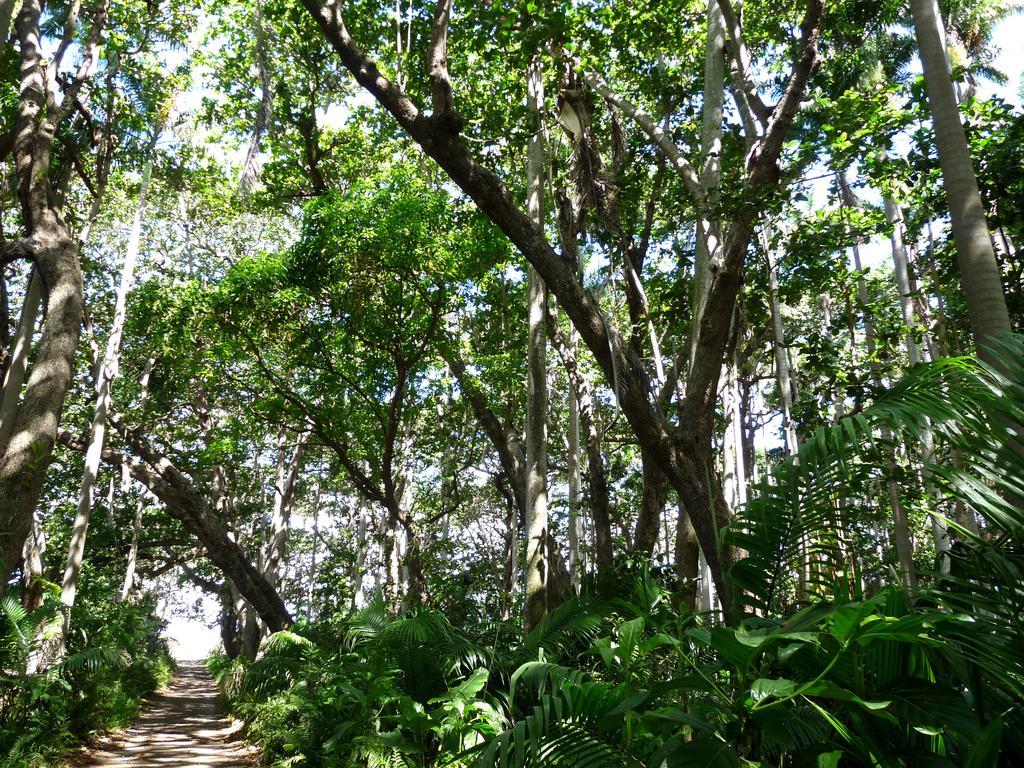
181	726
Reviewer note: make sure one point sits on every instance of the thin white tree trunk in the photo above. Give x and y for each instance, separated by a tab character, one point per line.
901	530
380	580
707	585
21	346
901	266
104	383
311	577
285	483
735	475
845	551
709	241
902	274
574	482
787	390
133	552
140	502
358	595
32	571
537	396
394	564
782	373
709	237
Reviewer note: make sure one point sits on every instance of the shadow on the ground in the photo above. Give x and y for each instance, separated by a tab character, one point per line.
182	725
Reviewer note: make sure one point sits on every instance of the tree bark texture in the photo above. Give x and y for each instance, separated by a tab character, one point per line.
979	270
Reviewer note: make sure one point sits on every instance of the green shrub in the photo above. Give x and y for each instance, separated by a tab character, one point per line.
114	658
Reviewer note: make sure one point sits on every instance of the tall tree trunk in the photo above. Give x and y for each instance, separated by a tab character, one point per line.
734	478
709	231
230	628
5	332
286	480
652	504
979	271
106	372
26	456
782	373
510	560
416	592
411	580
537	395
32	570
600	513
901	267
687	560
248	624
133	552
582	412
845	550
783	379
392	560
901	530
707	260
315	534
573	471
362	514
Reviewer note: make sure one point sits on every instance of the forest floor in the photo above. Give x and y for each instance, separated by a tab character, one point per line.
182	725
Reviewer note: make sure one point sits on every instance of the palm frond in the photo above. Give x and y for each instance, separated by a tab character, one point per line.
574	725
970	409
94	659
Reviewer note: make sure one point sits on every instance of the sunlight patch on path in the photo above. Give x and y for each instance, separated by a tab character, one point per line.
182	725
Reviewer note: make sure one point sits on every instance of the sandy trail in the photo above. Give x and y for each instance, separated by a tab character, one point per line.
180	726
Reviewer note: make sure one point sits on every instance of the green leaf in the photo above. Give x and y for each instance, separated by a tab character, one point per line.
827	689
777	688
984	752
922	703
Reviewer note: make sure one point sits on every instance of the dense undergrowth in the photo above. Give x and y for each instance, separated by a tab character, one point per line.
824	671
629	681
114	657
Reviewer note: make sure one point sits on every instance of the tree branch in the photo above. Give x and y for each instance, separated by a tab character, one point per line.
683	168
437	59
14	250
504	440
85	68
741	62
68	36
181	500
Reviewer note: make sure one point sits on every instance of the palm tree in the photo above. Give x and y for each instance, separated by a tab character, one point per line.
979	272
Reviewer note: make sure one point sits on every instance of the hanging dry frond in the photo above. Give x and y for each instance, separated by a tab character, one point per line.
251	168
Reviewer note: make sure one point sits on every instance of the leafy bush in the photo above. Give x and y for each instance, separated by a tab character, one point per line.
115	659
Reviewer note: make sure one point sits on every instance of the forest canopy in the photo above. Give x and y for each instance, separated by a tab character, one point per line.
524	383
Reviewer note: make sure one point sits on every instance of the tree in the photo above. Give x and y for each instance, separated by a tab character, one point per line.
979	272
52	247
686	458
